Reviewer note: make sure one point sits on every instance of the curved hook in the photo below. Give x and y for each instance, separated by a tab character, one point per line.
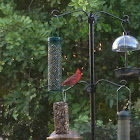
64	92
118	97
57	19
124	82
125	21
53	11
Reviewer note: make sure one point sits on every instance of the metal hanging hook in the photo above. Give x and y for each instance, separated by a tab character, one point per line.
53	11
123	27
123	86
125	21
58	21
124	82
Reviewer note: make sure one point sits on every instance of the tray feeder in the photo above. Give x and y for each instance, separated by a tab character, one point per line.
126	43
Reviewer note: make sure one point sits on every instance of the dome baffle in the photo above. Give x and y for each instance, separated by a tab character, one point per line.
125	43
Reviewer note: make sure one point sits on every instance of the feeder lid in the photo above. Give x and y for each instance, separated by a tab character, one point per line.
125	43
54	39
123	115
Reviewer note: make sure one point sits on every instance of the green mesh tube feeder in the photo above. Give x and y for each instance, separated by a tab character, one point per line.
54	63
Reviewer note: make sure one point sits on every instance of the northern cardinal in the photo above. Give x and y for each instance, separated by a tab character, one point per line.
74	78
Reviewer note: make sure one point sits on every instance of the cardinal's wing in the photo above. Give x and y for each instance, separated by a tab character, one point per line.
71	80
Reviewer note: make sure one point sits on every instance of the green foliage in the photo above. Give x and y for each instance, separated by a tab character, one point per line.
135	120
23	62
25	103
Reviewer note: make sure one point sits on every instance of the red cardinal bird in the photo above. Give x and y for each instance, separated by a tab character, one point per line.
73	79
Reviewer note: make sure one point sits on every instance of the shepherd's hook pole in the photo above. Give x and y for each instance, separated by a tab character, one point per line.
91	22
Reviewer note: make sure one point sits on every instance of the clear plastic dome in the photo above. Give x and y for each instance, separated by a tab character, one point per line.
125	43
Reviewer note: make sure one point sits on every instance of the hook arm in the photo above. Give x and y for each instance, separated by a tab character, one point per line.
128	22
107	82
66	13
123	20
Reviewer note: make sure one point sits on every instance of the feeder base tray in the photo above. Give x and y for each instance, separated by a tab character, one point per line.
71	135
127	73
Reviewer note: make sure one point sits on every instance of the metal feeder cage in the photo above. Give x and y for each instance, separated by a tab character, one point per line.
54	63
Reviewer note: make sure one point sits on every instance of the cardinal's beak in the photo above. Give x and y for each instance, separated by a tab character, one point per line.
81	73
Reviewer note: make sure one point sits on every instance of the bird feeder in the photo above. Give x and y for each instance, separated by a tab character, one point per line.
61	123
54	63
123	126
124	44
123	132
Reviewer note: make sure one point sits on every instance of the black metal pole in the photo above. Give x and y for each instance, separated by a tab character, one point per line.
91	20
92	77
